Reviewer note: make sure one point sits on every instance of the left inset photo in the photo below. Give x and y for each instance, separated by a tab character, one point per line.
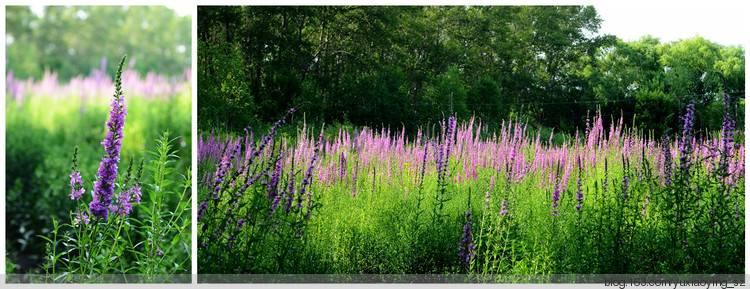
98	144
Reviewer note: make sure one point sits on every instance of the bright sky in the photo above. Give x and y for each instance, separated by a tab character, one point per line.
722	22
181	9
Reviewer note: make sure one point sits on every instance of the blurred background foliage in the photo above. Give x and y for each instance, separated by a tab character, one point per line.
71	40
59	87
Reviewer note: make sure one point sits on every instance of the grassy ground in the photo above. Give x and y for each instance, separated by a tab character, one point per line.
41	134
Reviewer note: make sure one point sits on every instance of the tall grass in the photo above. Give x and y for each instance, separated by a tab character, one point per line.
611	200
46	120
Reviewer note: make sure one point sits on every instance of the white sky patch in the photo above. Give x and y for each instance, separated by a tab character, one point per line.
82	15
184	9
38	10
720	22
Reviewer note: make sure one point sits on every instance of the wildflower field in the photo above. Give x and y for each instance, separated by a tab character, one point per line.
98	183
463	198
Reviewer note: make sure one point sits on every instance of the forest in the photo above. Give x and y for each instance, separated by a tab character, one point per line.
407	66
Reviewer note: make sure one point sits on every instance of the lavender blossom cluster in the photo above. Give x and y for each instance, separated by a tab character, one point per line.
103	192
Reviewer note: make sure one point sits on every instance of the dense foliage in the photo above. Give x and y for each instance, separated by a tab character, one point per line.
46	120
102	236
392	66
72	40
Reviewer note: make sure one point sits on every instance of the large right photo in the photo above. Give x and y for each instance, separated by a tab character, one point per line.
464	144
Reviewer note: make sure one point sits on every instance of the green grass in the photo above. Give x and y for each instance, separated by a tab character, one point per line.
394	223
41	133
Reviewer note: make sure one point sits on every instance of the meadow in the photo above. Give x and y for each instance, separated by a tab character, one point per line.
55	130
463	198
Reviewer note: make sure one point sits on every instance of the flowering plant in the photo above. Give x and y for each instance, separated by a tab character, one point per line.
128	231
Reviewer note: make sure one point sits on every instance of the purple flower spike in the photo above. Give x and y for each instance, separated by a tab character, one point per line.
667	164
466	246
98	210
136	193
686	142
604	185
104	186
81	217
579	195
625	186
202	209
555	198
727	140
76	194
76	182
121	205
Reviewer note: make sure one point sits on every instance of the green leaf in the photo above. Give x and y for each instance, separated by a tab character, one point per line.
139	254
43	237
147	209
138	244
61	276
127	271
136	221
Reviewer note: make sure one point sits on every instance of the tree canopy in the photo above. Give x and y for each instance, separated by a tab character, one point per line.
153	36
394	66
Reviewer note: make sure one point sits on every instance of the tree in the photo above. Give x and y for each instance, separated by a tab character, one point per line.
153	36
485	101
447	96
384	66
